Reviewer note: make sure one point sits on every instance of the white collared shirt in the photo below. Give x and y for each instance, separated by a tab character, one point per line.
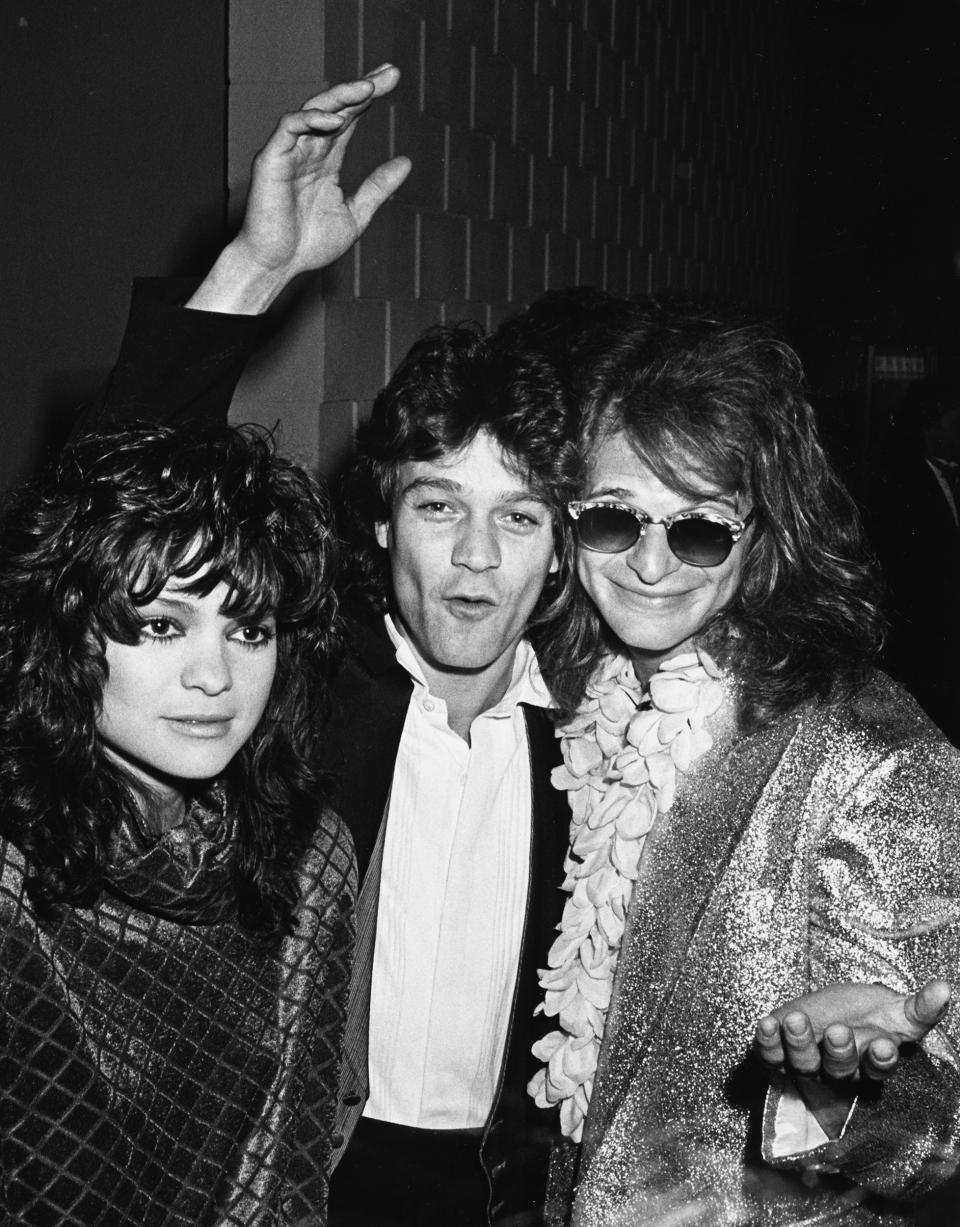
453	894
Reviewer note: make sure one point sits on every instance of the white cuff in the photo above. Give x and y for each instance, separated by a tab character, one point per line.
795	1128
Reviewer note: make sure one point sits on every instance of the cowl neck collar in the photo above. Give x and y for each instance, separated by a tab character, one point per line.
184	874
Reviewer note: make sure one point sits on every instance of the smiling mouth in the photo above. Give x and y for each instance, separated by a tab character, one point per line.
654	597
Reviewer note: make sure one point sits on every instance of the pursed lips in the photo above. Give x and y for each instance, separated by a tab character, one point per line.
479	598
470	604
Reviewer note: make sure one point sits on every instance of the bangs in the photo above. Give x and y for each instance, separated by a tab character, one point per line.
691	447
246	564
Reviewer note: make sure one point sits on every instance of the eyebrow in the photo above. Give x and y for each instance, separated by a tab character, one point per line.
170	602
449	486
189	607
704	496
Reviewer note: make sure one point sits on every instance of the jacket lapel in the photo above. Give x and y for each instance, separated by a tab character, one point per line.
371	694
685	856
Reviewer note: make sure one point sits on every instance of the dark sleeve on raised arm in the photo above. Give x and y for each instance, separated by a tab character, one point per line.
175	364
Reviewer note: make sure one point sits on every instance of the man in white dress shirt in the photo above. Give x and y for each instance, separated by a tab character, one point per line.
444	748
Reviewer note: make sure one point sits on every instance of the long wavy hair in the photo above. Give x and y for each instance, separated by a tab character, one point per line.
80	550
704	402
453	385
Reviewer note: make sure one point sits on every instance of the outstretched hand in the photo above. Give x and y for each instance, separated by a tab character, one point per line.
829	1040
297	217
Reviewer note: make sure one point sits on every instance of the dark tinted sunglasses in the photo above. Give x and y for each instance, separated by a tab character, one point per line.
701	538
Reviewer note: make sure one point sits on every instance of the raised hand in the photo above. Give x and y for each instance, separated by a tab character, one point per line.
297	217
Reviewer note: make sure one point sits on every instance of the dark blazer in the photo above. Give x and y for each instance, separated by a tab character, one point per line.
371	696
178	365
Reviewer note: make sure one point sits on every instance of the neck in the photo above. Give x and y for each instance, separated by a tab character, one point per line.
161	804
645	664
161	812
468	693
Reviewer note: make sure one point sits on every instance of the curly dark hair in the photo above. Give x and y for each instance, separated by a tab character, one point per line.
454	384
80	549
704	402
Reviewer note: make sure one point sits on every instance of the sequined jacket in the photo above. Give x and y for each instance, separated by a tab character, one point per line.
156	1065
825	847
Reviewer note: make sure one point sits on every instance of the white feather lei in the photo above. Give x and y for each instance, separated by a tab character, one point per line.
622	754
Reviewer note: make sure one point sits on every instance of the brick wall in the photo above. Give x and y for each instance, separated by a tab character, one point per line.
636	145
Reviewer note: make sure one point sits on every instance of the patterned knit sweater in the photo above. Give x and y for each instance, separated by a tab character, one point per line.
157	1066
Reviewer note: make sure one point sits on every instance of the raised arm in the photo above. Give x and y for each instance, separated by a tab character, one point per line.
182	361
297	217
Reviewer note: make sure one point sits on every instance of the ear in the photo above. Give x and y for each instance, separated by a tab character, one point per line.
554	564
382	530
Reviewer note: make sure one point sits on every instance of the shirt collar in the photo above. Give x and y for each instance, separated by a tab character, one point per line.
526	680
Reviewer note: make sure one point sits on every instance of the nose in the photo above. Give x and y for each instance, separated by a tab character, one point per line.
651	559
476	546
207	667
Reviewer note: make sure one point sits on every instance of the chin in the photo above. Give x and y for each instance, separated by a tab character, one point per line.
667	641
207	767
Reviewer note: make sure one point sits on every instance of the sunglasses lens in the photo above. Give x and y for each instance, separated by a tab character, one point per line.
701	543
607	529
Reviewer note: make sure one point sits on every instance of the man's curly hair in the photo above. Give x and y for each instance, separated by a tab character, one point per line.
712	404
454	384
81	549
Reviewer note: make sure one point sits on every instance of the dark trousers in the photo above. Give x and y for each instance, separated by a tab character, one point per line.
394	1176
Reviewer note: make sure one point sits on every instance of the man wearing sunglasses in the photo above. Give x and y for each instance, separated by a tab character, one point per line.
701	538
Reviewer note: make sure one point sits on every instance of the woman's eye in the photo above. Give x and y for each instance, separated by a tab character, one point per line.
158	628
254	636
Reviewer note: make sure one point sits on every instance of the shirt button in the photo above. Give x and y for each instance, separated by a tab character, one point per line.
336	1140
428	705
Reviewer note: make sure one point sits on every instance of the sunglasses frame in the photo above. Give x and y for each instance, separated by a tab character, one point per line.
736	528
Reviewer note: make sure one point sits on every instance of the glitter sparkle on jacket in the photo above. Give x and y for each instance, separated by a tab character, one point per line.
824	847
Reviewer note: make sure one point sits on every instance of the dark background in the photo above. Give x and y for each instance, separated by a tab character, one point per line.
113	153
111	149
878	226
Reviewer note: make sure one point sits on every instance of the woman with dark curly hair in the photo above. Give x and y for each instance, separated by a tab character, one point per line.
759	817
175	899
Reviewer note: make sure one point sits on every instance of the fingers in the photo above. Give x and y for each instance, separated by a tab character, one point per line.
801	1050
792	1045
880	1058
925	1008
313	122
355	96
376	188
333	112
840	1058
788	1044
767	1041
